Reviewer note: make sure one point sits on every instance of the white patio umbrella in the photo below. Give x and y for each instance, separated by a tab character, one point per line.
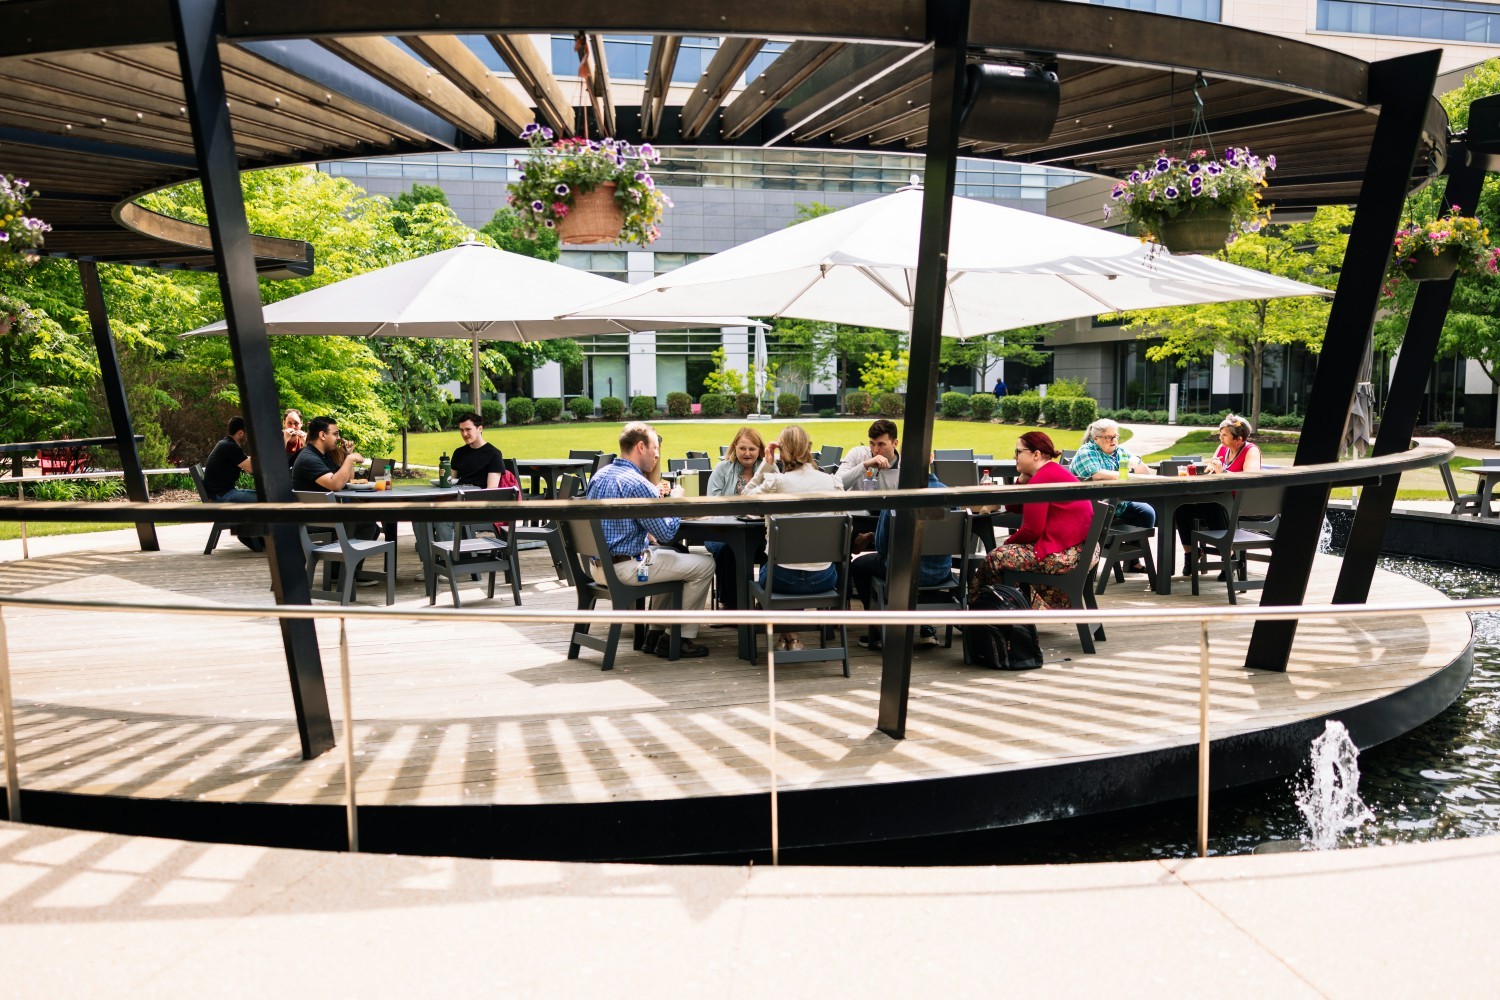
471	292
1006	269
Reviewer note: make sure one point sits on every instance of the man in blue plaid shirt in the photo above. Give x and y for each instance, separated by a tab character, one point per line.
1100	457
627	538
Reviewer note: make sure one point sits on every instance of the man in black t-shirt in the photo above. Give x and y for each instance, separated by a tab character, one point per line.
314	470
477	463
222	468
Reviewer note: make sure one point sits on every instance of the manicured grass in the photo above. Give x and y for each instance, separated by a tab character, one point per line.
681	436
10	530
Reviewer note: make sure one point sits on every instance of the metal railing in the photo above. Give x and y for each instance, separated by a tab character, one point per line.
812	619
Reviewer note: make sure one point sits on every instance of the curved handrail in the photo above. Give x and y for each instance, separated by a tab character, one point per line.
1426	452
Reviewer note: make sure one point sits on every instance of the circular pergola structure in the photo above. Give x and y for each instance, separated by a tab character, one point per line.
94	111
101	100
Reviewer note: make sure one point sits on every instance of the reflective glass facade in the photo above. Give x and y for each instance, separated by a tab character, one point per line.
1477	23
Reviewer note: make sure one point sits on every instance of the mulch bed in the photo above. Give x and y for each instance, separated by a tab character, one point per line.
1464	437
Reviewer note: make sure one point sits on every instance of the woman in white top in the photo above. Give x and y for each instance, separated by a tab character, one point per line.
799	474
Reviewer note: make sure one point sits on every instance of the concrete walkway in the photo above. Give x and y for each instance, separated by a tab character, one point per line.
91	914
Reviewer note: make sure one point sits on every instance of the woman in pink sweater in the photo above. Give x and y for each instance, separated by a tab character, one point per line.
1051	534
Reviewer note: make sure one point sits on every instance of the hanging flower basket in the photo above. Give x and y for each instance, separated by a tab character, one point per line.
1202	202
1201	229
18	231
5	324
1438	266
590	191
595	217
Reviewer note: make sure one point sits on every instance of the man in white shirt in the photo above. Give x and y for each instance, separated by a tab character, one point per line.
882	455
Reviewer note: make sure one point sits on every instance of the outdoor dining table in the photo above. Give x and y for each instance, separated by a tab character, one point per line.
1003	469
744	536
547	470
18	449
1487	474
1166	506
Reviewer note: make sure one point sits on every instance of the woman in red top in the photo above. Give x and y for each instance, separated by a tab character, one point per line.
1051	534
1236	453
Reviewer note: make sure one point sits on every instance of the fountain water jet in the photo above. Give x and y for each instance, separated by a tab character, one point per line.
1329	800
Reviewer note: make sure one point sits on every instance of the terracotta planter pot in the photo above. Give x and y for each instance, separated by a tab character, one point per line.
1434	266
1202	230
595	218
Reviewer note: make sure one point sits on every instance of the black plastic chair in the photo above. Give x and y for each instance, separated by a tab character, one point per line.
1124	544
953	455
956	472
952	536
1078	584
235	528
696	454
584	541
348	553
806	539
474	549
544	531
1463	503
1253	520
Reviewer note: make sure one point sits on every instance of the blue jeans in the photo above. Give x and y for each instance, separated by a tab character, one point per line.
801	581
237	496
1137	515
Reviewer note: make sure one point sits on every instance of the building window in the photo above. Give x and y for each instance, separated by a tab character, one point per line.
1198	10
1450	20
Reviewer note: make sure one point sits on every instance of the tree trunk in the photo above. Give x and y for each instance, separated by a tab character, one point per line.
403	449
1255	371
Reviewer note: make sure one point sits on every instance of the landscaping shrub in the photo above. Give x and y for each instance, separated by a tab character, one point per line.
104	489
581	407
643	407
1083	412
456	410
548	409
1056	410
714	404
1010	409
53	489
1140	416
982	405
612	407
518	411
890	404
679	404
168	481
490	409
788	404
1068	388
744	403
1158	416
828	413
955	405
857	403
1030	408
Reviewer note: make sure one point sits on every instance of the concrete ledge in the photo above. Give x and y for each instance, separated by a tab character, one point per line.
97	913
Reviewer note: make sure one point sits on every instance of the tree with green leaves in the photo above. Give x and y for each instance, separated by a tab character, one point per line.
1305	251
1472	326
1022	345
406	202
508	232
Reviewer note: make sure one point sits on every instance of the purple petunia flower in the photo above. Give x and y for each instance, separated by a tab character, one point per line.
1193	168
546	132
1271	161
537	206
1215	170
1135	177
561	190
1162	164
530	130
549	223
1196	185
1171	192
1119	189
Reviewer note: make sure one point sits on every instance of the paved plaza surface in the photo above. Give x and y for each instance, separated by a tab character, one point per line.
92	914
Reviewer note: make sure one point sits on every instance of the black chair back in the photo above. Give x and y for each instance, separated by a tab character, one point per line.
604	460
956	472
570	486
954	455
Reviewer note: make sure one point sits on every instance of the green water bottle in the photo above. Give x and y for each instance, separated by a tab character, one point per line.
1124	469
445	472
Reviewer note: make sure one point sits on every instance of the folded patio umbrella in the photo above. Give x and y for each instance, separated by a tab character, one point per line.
1006	269
470	292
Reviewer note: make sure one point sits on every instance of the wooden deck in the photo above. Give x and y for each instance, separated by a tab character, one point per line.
199	709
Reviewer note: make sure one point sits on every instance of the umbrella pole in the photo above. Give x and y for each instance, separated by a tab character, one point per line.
474	383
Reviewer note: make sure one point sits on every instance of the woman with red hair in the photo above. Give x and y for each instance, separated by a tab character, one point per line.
1051	534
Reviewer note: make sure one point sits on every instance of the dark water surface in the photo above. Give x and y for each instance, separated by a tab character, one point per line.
1439	781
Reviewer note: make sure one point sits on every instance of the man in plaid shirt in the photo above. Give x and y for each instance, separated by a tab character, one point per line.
627	538
1100	457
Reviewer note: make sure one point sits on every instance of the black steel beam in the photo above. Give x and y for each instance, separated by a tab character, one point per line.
1403	87
197	24
947	29
1404	401
114	395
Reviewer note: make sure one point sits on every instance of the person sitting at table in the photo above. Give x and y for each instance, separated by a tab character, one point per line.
664	486
1236	453
799	474
932	571
293	437
222	467
316	469
625	479
882	455
1051	534
478	463
1101	456
729	479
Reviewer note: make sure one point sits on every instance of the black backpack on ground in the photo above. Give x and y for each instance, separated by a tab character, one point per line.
1002	647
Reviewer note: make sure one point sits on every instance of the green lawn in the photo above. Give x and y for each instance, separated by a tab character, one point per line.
682	436
10	530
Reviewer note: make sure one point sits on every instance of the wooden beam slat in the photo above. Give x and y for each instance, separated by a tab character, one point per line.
659	68
837	104
787	73
598	81
451	57
532	73
428	87
717	81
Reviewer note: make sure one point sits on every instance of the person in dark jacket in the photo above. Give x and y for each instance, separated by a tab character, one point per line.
934	571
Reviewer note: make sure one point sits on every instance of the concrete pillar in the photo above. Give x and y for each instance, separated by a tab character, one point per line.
547	381
642	365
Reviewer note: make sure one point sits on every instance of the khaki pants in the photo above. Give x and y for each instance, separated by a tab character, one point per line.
694	569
